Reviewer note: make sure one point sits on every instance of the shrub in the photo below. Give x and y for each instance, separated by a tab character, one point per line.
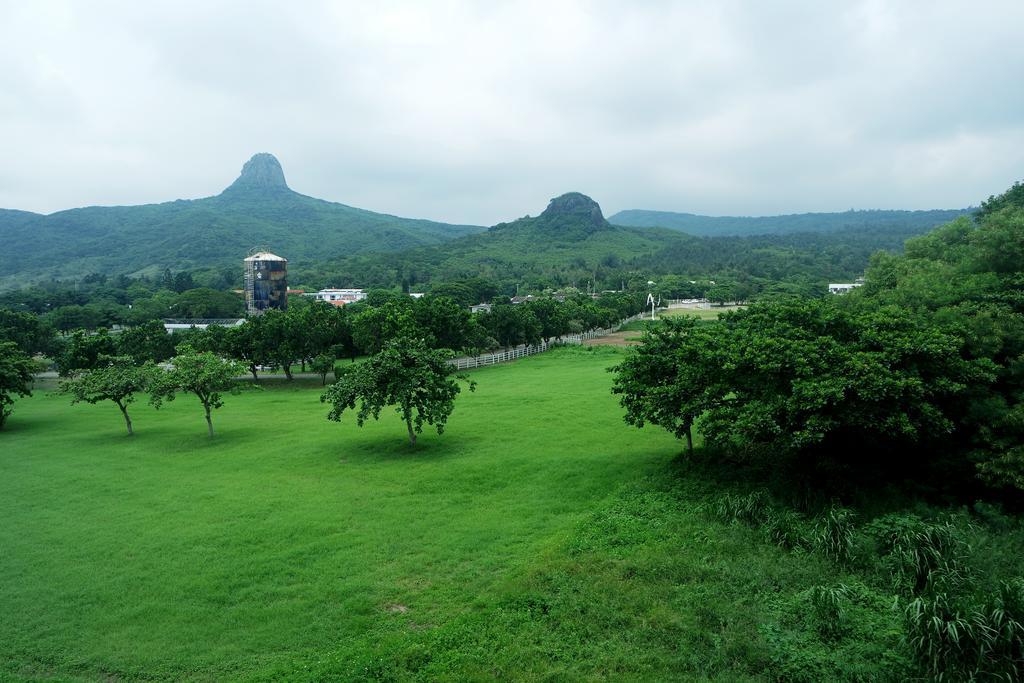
785	529
916	552
753	508
833	534
828	610
954	640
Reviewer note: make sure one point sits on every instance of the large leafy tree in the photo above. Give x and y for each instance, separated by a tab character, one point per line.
804	377
201	373
417	380
667	381
445	322
28	331
376	326
116	379
276	337
146	342
82	351
16	369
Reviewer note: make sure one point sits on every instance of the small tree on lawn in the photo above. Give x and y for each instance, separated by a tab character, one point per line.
669	380
204	374
418	381
16	370
321	365
117	379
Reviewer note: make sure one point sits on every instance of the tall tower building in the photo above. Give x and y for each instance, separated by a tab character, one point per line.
266	283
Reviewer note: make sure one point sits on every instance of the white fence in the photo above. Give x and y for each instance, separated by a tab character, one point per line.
523	350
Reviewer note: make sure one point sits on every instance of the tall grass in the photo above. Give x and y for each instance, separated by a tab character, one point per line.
919	554
954	640
834	534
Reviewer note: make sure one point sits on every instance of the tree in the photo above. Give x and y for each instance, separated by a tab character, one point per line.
374	327
26	330
443	320
321	365
418	381
813	380
207	303
116	379
667	380
203	374
16	369
146	342
82	351
278	338
552	315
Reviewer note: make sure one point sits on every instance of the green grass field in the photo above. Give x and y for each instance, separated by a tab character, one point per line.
538	538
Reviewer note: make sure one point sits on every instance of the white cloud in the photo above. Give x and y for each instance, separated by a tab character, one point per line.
480	112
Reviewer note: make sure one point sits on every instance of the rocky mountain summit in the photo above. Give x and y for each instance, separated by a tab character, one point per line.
577	205
262	172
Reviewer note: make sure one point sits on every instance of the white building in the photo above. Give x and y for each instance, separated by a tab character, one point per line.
843	287
340	297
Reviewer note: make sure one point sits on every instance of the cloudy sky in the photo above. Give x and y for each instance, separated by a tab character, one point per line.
479	112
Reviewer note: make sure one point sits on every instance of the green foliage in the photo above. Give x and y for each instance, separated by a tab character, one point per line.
955	640
82	351
202	374
321	365
16	370
752	508
914	551
833	534
146	342
891	221
406	374
1012	198
828	610
787	378
204	302
28	331
115	379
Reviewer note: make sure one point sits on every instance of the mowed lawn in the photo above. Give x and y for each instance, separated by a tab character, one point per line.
288	539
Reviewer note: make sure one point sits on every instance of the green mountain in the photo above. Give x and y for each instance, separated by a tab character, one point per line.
566	243
571	243
915	222
257	209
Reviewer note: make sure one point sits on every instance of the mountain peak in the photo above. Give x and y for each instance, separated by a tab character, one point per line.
262	172
575	204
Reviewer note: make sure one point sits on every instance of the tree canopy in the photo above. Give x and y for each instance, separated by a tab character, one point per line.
115	379
16	369
417	380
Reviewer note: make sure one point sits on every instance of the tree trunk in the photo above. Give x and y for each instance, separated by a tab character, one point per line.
209	422
689	440
252	369
288	370
303	364
127	420
412	433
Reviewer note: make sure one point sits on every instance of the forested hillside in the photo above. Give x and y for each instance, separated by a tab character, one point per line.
573	246
904	222
257	209
566	244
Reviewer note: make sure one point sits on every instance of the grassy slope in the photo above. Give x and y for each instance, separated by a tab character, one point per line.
538	537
